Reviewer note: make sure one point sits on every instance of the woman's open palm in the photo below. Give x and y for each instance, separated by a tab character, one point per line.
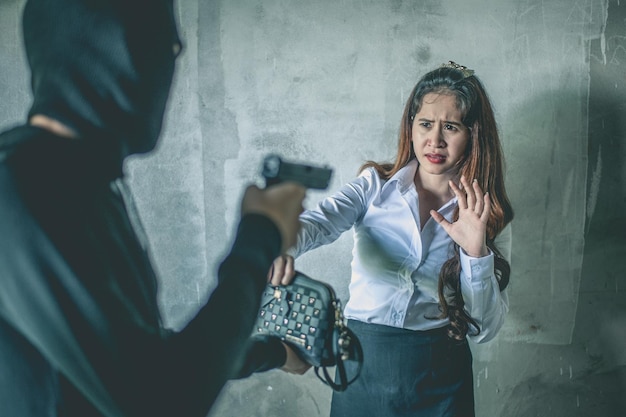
469	231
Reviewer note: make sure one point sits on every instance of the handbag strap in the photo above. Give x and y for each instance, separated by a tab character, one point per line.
356	355
346	347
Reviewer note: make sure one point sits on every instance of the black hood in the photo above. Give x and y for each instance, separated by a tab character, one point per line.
103	68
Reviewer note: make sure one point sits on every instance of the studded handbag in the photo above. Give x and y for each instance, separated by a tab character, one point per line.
307	315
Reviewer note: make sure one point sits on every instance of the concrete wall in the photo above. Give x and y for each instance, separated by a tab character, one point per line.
326	82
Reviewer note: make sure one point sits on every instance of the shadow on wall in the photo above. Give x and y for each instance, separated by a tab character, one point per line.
592	377
545	146
601	318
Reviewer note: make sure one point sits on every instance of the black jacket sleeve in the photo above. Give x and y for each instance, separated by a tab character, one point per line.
213	347
263	354
75	284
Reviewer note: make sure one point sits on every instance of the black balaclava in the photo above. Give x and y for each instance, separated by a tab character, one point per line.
103	68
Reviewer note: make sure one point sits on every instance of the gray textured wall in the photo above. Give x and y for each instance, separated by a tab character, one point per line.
326	81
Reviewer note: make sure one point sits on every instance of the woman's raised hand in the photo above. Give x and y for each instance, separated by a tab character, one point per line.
282	271
470	230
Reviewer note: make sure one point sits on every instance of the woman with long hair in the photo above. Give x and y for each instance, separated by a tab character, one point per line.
431	249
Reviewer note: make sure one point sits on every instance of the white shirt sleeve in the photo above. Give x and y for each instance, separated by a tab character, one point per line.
484	301
334	215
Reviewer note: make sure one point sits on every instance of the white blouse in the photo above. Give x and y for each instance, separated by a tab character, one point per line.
395	263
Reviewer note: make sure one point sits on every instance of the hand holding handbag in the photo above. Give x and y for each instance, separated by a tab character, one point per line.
308	316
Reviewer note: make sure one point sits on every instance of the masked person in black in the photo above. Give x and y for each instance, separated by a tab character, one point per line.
80	330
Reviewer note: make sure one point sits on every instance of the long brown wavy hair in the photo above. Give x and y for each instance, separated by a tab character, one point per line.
483	160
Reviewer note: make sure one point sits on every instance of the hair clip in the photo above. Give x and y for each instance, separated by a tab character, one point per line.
464	70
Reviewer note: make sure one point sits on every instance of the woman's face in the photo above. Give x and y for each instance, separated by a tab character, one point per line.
439	136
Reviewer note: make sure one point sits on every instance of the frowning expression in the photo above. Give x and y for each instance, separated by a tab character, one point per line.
439	136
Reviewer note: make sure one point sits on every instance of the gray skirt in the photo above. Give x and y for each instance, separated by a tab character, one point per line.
408	373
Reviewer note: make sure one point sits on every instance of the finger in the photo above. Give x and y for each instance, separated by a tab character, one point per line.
460	195
440	220
484	217
278	270
478	192
469	191
290	271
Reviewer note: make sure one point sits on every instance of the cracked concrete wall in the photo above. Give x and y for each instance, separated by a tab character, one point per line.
326	82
